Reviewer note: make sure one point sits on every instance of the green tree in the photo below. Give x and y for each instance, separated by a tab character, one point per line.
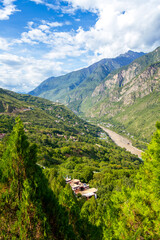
135	212
21	214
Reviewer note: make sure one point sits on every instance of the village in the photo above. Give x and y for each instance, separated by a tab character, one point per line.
81	188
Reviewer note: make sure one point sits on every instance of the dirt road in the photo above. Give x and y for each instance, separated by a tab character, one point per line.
122	142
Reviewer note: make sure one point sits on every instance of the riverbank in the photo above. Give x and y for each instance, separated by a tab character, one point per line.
122	142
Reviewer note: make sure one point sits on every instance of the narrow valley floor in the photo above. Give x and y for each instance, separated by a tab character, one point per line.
122	142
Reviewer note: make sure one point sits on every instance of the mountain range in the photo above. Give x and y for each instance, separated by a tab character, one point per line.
130	97
123	91
73	87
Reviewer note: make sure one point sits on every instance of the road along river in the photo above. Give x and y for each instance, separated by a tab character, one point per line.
122	142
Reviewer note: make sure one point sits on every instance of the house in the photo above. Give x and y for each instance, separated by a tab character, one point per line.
88	193
2	135
81	188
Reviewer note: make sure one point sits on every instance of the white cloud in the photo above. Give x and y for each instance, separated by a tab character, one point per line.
42	33
121	25
7	9
53	24
61	44
24	74
38	1
4	45
55	6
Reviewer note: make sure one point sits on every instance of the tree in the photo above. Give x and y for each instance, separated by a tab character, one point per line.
21	214
135	212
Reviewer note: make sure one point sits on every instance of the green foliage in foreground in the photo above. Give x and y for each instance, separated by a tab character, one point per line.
134	213
37	204
33	204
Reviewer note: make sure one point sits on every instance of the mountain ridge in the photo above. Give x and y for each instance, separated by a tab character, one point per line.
113	96
129	97
64	88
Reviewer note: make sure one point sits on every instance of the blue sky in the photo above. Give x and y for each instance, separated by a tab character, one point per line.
44	38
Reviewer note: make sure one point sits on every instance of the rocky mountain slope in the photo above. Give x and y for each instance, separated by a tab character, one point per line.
73	87
130	96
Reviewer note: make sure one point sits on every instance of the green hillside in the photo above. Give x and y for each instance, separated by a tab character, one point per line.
51	126
52	142
35	201
74	87
139	119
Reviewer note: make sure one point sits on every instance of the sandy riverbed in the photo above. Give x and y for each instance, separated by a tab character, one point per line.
122	142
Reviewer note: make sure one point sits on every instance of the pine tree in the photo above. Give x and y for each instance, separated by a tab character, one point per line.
21	213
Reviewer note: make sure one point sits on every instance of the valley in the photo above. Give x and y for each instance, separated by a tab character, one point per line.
124	91
43	143
79	120
123	142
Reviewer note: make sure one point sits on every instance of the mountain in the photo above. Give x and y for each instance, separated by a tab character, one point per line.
73	87
129	97
126	96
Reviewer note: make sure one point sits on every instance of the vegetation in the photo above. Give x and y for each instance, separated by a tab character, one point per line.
61	136
32	206
135	211
36	203
74	87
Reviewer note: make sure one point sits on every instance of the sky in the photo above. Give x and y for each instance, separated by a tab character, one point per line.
44	38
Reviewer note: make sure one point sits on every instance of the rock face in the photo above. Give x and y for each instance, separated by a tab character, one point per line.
130	84
140	86
130	97
123	88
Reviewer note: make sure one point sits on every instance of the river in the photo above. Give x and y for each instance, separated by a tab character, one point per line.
122	142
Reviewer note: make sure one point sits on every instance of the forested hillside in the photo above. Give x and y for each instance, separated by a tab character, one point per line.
134	212
58	133
35	202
